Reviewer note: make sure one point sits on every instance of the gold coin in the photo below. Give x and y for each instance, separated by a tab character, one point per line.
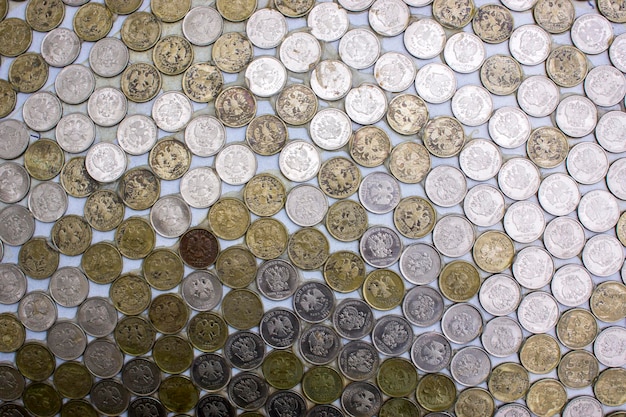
615	414
232	52
339	177
454	15
78	408
172	354
264	194
236	11
407	114
235	106
102	263
168	313
547	147
459	281
508	382
322	384
282	369
610	387
163	269
42	400
612	10
134	335
75	179
141	31
172	55
242	309
443	136
344	271
8	96
493	23
346	220
38	259
267	238
141	82
397	377
436	392
72	380
236	267
229	218
474	402
414	217
44	159
383	289
296	104
546	397
409	162
554	16
399	407
370	146
308	248
135	238
15	37
266	134
44	15
540	353
202	82
577	328
294	8
104	210
123	6
28	72
207	331
139	188
608	301
493	251
178	394
169	159
13	333
71	235
4	8
578	369
92	22
130	294
35	361
620	228
567	66
501	75
170	11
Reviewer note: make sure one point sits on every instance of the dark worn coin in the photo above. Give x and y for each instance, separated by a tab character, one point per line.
102	263
198	248
361	399
280	328
141	376
41	399
245	398
35	361
168	313
146	407
313	301
13	385
209	403
210	371
134	335
245	350
110	397
280	401
322	384
178	394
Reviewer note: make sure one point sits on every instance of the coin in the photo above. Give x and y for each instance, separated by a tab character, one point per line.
493	251
606	301
319	344
102	263
15	409
139	188
282	369
576	328
42	111
108	404
354	392
18	226
168	313
202	25
383	289
170	158
202	82
238	395
344	271
38	259
92	22
140	31
508	382
135	238
44	159
264	195
35	361
108	57
245	350
436	383
47	202
97	316
170	12
459	281
130	294
14	331
322	393
15	386
16	37
134	335
141	82
44	16
242	309
546	397
212	401
66	340
207	331
141	376
578	369
172	354
296	104
608	347
179	47
608	387
210	372
474	402
170	216
198	248
172	111
540	353
470	366
28	72
72	380
358	360
42	399
313	301
15	283
308	248
291	8
232	52
104	359
267	238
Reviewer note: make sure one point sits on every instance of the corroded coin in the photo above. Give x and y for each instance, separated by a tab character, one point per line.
168	313
235	106
139	188
611	10
344	271
339	177
407	114
508	382
38	259
130	294
414	217
141	376
44	159
370	146
266	134
141	31
202	82
264	195
14	332
75	179
501	74
282	369
576	328
236	267
35	361
607	301
566	65
383	289
42	399
172	55
459	281
546	397
453	15
14	409
102	263
242	309
123	6
547	147
207	331
135	238
267	238
409	162
296	104
578	369
493	23
173	354
15	36
43	15
397	377
140	82
308	248
232	52
72	380
169	159
104	210
134	335
170	11
198	248
540	353
440	384
92	22
322	384
394	407
554	16
346	220
8	97
28	72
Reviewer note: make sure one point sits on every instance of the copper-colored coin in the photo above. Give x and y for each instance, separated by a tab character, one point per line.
141	82
546	397
266	134
169	159
232	52
267	238
92	22
198	248
236	267
172	354
141	31
346	220
459	281
45	15
344	271
242	309
130	294
102	263
75	179
235	106
414	217
508	382
308	248
38	259
229	218
202	82
44	159
135	238
168	313
540	353
296	104
28	72
264	195
170	11
139	188
207	331
15	37
383	289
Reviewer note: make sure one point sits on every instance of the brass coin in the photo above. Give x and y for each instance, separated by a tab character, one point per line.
610	387
383	289
172	55
92	22
294	8
8	96
75	179
577	328
453	15
202	82
339	177
168	313
508	382
170	11
44	159
78	408
198	248
397	377
235	106
15	387
102	263
436	392
554	16
134	335
72	380
346	220
135	238
229	218
546	397
540	353
169	159
236	267
123	6
322	384
501	74
35	361
608	301
4	8
493	251
612	10
163	269
578	369
266	134
493	23
141	82
282	369
267	238
207	331
130	294
104	210
42	400
567	66
71	235
178	394
296	104
28	72
139	188
399	407
409	162
459	281
620	229
15	37
443	136
308	248
236	11
141	31
547	147
344	271
44	15
232	52
414	217
38	259
242	309
474	402
264	194
172	354
13	333
407	114
370	146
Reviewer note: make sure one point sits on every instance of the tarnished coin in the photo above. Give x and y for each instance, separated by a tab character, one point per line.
37	311
431	352
35	361
170	11
14	283
102	263
168	313
13	409
210	372
75	133
235	106
292	8
135	336
566	66
453	236
14	385
493	23
140	82
240	395
15	37
266	134
72	380
484	205
264	195
172	111
326	392
202	82
14	331
135	238
141	376
130	294
578	369
546	397
313	301
202	25
173	354
41	399
242	309
407	113
17	226
370	147
308	248
28	72
213	401
470	366
104	210
74	84
92	22
236	267
169	159
409	162
339	177
232	52
508	382
108	57
501	74
140	31
397	377
172	55
229	218
606	301
244	350
38	259
105	402
68	287
296	104
104	359
97	316
267	238
44	159
44	16
440	383
170	216
139	188
554	17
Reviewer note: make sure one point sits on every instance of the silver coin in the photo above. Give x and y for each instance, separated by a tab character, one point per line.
42	111
519	178
205	135
420	263
484	205
202	25
366	104
464	52
13	283
533	267
564	237
470	366
14	138
356	5
431	352
170	216
392	335
617	52
616	178
509	127
137	134
603	255
265	76
107	106
461	323
306	205
14	182
300	51
394	72
328	22
502	337
277	279
266	28
60	47
353	319
480	159
512	410
109	397
331	80
330	128
499	295
358	360
75	132
379	192
68	286
587	163
538	96
276	403
210	372
453	236
558	194
279	328
48	201
359	48
435	83
138	407
108	57
445	186
74	84
425	38
200	187
576	116
211	402
389	17
583	406
244	350
141	376
361	399
13	388
472	105
103	358
592	33
319	344
242	396
66	340
598	211
201	290
610	347
380	246
236	164
97	316
172	111
423	306
37	311
105	162
530	44
313	301
299	161
17	225
572	285
538	312
605	85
